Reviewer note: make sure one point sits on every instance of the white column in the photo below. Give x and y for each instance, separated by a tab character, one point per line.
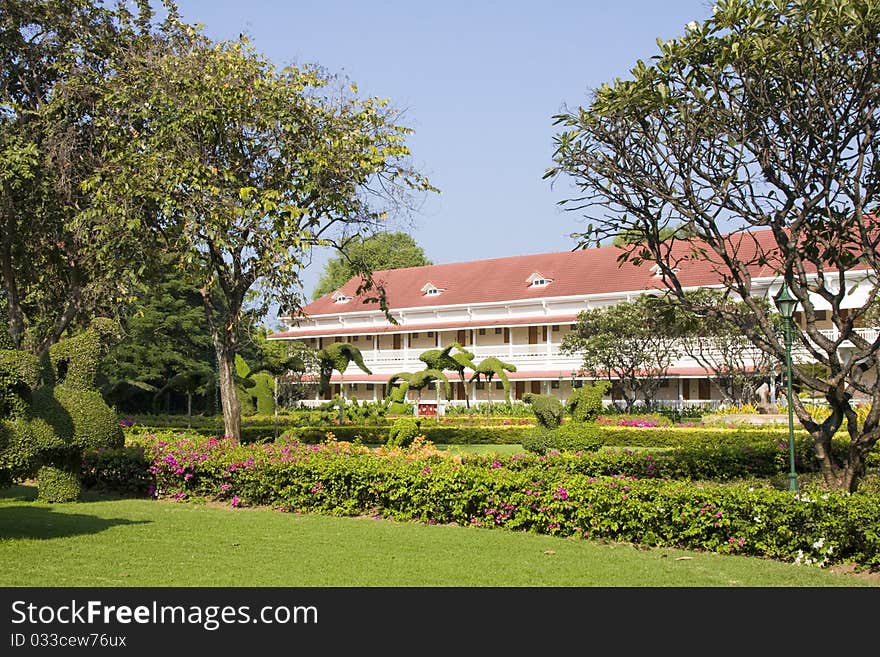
510	342
549	334
680	392
406	347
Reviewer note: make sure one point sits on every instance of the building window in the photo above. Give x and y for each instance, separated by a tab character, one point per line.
481	385
370	386
355	338
555	328
482	331
821	315
572	326
498	331
540	282
554	385
499	385
430	334
415	335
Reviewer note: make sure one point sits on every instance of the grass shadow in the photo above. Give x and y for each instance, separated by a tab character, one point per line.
27	521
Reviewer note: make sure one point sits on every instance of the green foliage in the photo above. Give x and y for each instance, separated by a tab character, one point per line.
628	344
571	436
557	494
19	372
489	368
291	167
75	360
58	484
548	410
124	470
49	428
372	253
585	403
81	416
65	262
338	356
674	142
166	336
402	432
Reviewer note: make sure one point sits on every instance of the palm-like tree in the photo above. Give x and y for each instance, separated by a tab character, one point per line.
418	381
338	356
489	368
445	360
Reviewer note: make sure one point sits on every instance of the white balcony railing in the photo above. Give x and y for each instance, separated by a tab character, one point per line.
540	355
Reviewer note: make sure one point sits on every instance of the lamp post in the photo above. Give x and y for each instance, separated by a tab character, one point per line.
786	304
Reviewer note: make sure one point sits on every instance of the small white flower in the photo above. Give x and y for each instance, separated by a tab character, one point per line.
757	519
818	544
692	26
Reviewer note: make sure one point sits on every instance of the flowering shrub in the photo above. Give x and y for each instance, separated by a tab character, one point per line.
642	421
559	494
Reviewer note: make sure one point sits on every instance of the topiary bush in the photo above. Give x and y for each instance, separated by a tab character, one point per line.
585	403
548	410
58	484
572	437
44	431
403	432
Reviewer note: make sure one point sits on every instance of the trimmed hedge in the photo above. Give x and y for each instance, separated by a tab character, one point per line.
57	484
572	436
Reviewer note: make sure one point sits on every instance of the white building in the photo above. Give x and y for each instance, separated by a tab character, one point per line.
517	309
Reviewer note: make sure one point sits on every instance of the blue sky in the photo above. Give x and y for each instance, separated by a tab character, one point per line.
479	82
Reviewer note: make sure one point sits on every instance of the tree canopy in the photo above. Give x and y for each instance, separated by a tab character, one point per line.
627	344
387	250
244	168
757	130
55	272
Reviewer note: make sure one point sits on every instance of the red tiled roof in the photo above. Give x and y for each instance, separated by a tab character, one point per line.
574	273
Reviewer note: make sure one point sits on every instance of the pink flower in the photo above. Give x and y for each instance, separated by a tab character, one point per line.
235	501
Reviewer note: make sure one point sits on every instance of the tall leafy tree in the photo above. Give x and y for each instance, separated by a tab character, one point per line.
246	168
387	250
763	117
54	58
625	344
165	336
734	364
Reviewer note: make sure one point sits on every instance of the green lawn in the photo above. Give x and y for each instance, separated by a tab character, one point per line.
109	542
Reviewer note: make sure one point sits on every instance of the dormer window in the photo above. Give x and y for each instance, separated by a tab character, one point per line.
339	297
538	280
655	269
431	290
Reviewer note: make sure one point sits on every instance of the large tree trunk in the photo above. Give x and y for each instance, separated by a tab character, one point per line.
228	397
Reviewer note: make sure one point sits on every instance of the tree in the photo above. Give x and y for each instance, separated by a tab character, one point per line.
338	356
372	253
165	337
279	359
735	365
245	169
417	381
489	368
757	129
624	343
444	360
56	272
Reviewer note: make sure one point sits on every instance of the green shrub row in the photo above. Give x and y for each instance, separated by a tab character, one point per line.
525	493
